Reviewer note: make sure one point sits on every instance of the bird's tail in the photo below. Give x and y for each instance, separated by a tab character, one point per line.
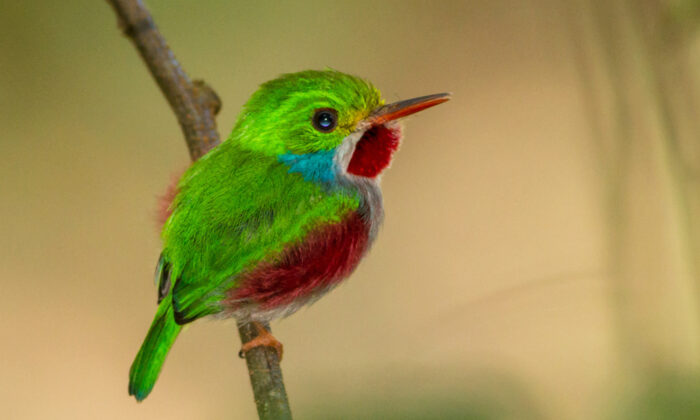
161	336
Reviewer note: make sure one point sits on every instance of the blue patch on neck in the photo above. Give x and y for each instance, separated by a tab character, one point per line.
317	166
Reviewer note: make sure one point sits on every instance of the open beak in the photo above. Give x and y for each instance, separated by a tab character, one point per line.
401	109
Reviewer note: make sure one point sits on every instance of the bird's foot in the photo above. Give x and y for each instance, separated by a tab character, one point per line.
264	338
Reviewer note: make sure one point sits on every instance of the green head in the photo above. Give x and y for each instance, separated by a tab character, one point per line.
315	112
278	118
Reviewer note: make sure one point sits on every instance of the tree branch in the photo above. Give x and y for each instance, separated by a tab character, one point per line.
195	105
265	377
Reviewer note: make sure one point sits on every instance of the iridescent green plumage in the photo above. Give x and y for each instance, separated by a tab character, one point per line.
149	360
235	209
276	118
239	205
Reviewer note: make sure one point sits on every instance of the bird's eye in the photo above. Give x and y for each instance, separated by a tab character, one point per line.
325	120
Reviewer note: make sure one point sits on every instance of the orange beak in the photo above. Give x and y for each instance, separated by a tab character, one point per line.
401	109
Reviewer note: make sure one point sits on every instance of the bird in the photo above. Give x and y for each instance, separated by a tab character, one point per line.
279	213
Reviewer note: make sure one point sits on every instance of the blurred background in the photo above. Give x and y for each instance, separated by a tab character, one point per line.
540	257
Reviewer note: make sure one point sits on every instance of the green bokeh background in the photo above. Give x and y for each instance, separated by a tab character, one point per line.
539	258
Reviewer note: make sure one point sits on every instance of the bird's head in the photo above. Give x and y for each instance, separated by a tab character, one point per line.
324	122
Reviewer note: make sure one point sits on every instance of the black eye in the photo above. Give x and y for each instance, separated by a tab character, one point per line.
325	120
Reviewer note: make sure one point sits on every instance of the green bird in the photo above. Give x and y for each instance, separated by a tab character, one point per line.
278	214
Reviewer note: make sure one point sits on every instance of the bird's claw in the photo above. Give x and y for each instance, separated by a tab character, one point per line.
264	338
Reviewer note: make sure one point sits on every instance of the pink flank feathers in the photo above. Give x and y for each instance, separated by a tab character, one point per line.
164	209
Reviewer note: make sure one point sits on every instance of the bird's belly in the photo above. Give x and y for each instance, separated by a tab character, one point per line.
302	273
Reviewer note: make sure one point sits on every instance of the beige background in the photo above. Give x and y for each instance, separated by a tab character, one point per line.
488	286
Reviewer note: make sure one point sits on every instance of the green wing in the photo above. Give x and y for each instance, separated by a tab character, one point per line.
235	209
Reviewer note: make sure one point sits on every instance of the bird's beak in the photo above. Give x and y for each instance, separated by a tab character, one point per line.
401	109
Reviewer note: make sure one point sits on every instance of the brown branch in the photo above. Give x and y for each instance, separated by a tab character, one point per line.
195	105
265	377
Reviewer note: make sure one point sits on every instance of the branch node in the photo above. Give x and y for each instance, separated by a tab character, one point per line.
207	95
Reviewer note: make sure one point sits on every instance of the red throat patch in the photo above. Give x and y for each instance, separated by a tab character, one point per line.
374	151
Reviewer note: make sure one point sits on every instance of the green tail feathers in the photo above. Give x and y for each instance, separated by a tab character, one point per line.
146	367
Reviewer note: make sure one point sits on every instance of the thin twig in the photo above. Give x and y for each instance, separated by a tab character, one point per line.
265	377
195	105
